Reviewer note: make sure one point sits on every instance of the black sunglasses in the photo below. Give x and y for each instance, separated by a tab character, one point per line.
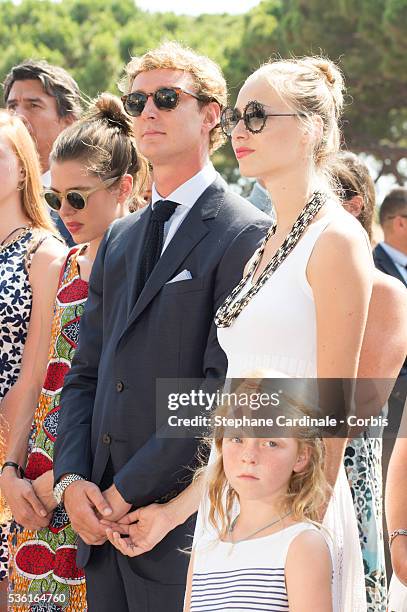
75	198
166	98
254	117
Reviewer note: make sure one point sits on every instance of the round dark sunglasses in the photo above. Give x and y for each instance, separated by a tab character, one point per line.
75	197
254	117
165	98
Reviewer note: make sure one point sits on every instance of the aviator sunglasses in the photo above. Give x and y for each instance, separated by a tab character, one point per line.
254	117
75	197
165	98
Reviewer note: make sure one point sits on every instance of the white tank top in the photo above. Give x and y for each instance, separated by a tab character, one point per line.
248	575
277	329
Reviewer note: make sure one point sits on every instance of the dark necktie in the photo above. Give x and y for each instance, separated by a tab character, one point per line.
153	242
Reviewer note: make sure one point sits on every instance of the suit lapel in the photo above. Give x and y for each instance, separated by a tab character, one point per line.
388	264
189	234
134	249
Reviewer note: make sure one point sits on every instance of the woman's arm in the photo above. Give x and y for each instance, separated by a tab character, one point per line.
188	590
18	406
396	501
309	585
340	273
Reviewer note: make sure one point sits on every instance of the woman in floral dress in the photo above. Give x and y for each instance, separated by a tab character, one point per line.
28	245
98	153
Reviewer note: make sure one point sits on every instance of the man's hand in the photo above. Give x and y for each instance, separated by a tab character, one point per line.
24	504
116	502
144	528
43	488
82	500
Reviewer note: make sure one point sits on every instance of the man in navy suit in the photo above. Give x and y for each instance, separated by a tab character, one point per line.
390	256
158	279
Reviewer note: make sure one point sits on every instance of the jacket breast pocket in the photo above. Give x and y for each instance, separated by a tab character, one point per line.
184	286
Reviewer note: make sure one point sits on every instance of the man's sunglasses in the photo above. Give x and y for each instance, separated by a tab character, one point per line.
254	117
75	198
165	98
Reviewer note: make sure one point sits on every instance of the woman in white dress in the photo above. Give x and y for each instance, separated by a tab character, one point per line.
301	308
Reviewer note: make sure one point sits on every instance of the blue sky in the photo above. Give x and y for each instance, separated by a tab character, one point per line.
196	7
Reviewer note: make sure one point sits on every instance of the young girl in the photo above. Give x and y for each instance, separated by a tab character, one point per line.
260	559
93	164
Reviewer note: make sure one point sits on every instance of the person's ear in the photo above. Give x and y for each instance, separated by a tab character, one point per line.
126	186
211	115
400	222
67	120
302	460
314	130
354	206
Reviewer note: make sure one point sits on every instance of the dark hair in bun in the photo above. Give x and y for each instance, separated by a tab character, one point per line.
103	140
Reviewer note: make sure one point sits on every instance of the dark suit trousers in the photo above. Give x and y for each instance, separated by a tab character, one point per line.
112	585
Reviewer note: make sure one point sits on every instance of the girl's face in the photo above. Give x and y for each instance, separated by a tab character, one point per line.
10	170
282	143
102	206
261	468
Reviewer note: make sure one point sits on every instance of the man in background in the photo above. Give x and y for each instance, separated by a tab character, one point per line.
390	256
48	99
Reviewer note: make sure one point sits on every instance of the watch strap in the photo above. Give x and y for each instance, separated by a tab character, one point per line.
63	484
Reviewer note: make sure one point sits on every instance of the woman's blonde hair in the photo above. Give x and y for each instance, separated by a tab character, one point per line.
207	77
311	86
13	128
307	490
103	139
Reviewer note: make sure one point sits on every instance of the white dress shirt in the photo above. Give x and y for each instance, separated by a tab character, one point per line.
399	259
185	196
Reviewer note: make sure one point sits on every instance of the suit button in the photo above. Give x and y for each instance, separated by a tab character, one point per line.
106	438
119	386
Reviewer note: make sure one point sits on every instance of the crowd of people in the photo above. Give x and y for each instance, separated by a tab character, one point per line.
126	260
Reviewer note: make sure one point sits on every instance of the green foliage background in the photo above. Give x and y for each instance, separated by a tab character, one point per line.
94	39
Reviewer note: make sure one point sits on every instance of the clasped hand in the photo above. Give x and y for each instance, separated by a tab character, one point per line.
141	530
30	503
86	505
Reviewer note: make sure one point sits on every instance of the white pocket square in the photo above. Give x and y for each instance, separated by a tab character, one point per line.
184	275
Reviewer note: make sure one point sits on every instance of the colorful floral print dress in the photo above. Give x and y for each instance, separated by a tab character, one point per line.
43	572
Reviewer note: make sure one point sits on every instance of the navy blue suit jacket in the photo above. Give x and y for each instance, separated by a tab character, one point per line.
108	404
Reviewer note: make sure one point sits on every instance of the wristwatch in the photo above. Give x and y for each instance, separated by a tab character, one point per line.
63	484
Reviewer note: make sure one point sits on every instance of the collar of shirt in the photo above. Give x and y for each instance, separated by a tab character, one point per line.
187	194
397	256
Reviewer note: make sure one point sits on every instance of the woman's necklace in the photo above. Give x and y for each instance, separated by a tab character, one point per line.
249	537
233	305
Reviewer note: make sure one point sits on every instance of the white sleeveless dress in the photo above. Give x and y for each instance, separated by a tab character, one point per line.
277	331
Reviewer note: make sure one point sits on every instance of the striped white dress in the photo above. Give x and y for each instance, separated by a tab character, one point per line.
249	575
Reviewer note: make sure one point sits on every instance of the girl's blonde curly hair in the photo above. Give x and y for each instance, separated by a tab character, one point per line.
307	490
